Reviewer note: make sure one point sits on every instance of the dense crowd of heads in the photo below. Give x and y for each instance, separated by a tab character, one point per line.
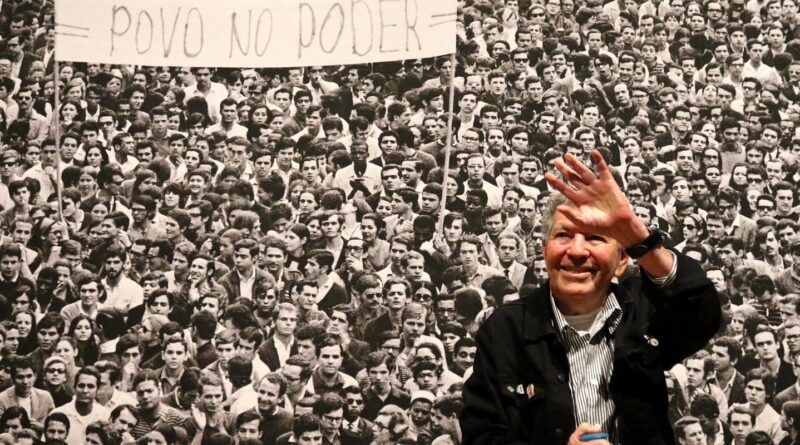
257	255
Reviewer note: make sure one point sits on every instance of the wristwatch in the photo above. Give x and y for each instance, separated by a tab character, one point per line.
654	239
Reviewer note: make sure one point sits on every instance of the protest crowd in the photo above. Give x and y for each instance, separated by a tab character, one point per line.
262	256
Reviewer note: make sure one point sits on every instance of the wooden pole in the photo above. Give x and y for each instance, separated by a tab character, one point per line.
57	120
448	143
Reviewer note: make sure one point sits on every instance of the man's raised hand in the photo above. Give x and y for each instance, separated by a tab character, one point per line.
600	207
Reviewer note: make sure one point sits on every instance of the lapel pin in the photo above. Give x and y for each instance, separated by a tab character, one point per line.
530	390
510	389
651	341
520	389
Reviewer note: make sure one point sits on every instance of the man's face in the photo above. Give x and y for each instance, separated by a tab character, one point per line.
174	355
286	322
331	227
307	294
681	191
294	383
413	328
113	267
275	258
741	425
243	259
464	357
729	211
429	203
148	395
421	412
792	336
476	168
396	297
310	438
198	270
23	381
372	298
249	430
229	114
379	376
695	373
494	225
766	346
580	264
56	432
388	144
721	357
717	278
507	251
86	389
410	173
693	435
755	392
330	360
756	51
89	293
210	400
47	338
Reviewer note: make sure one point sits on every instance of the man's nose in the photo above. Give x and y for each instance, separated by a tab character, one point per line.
577	246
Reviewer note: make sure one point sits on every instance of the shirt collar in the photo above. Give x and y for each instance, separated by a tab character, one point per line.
609	315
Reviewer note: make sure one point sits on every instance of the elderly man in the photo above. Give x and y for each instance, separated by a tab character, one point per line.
582	355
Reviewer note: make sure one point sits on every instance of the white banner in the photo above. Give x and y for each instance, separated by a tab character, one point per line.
252	33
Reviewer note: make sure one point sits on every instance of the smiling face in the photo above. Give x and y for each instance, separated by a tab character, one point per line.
580	265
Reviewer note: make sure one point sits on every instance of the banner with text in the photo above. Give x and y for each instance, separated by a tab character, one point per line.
253	33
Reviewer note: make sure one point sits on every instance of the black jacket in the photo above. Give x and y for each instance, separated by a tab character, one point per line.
519	393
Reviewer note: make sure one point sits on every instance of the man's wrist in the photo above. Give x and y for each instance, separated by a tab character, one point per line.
634	234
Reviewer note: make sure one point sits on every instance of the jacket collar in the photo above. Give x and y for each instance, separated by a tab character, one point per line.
539	318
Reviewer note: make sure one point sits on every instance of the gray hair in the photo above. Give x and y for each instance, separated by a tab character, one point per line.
556	199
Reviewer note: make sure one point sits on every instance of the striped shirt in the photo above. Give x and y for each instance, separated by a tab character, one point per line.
591	363
590	354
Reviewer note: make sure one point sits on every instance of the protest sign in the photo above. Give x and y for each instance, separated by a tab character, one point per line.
253	33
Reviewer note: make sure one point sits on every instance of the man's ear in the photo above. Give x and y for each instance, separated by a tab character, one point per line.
623	262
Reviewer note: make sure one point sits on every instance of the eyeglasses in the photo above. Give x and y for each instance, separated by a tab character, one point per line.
373	296
690	226
9	164
765	208
422	297
56	370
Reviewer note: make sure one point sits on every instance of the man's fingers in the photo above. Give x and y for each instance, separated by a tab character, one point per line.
602	168
585	173
569	174
561	186
572	214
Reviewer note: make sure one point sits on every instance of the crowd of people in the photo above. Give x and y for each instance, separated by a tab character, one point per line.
271	256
